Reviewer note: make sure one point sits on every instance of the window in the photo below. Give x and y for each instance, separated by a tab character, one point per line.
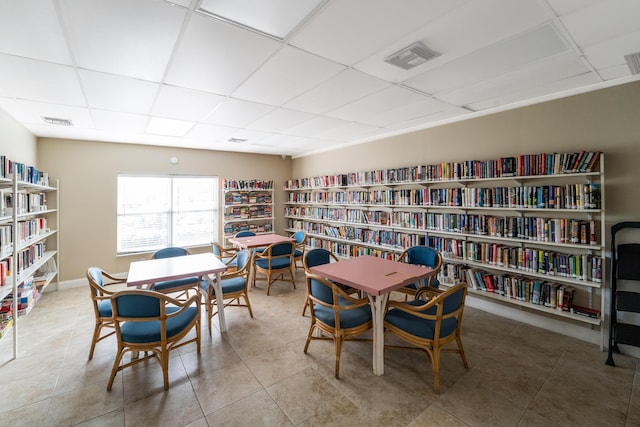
160	211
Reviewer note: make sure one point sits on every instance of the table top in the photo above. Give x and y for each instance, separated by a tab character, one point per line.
371	274
259	241
156	270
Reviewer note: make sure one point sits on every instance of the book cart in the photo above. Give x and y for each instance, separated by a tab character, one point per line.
525	231
624	327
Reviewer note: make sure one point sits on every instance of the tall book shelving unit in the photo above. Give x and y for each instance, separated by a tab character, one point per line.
525	231
247	206
28	241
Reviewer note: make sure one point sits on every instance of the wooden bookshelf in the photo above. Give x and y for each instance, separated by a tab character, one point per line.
533	219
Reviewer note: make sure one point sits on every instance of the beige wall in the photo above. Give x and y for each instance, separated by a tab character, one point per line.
607	120
16	142
87	172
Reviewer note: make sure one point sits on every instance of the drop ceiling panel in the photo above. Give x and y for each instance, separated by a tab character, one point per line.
251	136
217	57
349	132
611	53
492	60
133	38
237	113
279	119
210	133
349	31
424	121
30	28
29	112
349	85
124	122
118	93
184	104
564	7
286	75
460	32
315	126
39	81
614	18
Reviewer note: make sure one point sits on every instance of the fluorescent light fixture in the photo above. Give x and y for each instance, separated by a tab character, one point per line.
411	56
275	18
169	127
633	62
57	121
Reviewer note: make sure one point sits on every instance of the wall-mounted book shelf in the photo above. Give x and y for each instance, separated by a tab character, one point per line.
527	231
247	206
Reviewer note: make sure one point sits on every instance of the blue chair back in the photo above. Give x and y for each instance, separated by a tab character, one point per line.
422	255
317	256
170	252
280	249
321	291
137	306
96	275
242	259
299	236
452	302
245	234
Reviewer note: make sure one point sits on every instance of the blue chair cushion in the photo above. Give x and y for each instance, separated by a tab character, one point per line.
348	318
145	332
297	253
276	263
104	308
234	284
435	283
418	327
163	286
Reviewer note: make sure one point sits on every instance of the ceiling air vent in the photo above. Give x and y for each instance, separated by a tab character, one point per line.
633	62
411	56
57	121
237	140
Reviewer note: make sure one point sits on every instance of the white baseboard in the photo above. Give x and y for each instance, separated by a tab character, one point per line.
74	283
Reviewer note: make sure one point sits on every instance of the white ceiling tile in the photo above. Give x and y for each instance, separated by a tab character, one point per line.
133	38
349	31
279	119
347	86
615	18
422	122
251	136
315	126
286	75
275	17
124	122
118	93
169	127
30	28
217	57
492	60
348	132
32	112
184	104
39	81
460	32
237	113
563	7
611	52
284	141
210	133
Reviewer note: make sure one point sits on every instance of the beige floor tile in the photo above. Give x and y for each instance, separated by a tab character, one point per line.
83	404
257	409
177	406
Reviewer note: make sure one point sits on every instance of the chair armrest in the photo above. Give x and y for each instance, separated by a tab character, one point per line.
113	279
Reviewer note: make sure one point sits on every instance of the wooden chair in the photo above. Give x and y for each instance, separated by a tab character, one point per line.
101	300
429	325
274	262
235	285
183	286
300	246
153	323
336	314
317	256
426	256
226	255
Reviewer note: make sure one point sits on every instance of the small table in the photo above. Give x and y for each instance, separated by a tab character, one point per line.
161	269
377	277
259	241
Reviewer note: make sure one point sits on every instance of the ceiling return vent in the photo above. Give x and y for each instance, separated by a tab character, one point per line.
633	62
57	121
411	56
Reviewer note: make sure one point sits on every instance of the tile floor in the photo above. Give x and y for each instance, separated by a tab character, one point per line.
258	375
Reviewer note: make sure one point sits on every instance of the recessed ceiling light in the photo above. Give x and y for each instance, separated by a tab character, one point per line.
411	56
57	121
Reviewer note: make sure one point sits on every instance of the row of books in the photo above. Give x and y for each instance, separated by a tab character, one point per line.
23	203
248	212
522	166
349	250
538	229
24	173
247	197
569	196
585	267
246	184
231	228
